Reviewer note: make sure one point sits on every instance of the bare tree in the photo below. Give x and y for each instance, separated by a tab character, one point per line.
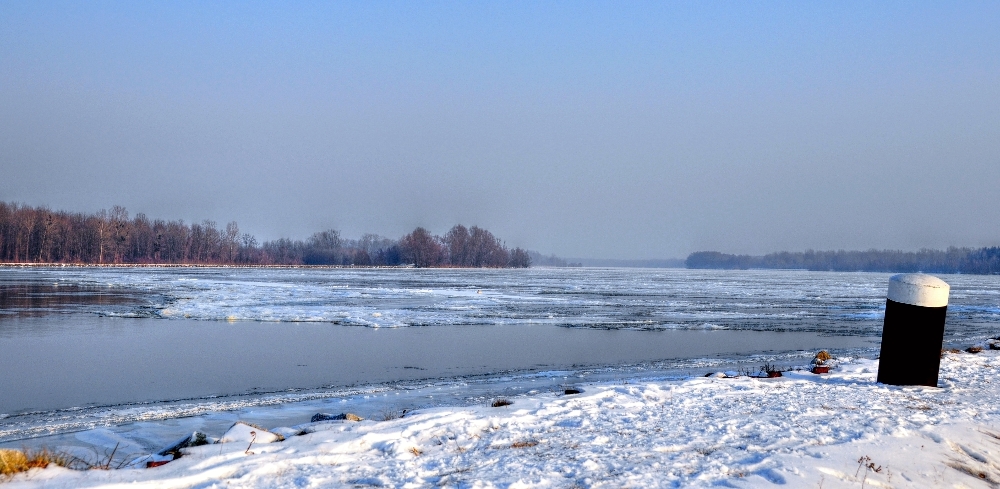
519	258
229	241
485	249
459	247
118	218
421	249
324	248
31	234
103	234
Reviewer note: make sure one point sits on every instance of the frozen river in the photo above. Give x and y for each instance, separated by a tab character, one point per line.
85	346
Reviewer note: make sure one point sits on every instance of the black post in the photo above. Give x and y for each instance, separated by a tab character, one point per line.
913	331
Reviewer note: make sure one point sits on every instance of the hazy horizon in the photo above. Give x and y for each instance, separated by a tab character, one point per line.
593	130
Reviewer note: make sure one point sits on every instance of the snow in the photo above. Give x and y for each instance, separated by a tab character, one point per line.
918	289
242	432
801	430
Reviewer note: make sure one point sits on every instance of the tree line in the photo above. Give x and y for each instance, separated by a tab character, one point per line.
539	259
39	235
952	260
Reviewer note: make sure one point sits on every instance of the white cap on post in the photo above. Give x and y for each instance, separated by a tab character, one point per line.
918	289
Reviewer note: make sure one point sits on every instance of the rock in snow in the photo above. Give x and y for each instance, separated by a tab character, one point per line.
172	451
195	439
245	433
336	417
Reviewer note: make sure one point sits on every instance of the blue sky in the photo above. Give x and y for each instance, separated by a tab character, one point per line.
587	129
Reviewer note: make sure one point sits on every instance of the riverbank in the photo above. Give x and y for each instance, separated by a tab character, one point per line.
801	430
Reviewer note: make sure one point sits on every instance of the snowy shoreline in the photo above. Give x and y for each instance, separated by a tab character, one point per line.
800	430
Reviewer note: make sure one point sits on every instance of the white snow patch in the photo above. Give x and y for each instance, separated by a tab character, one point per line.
800	430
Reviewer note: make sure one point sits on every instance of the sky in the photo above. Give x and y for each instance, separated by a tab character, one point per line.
585	129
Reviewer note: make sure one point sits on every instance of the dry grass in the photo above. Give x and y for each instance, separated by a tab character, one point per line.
524	444
390	414
416	451
12	462
990	434
973	472
16	461
517	444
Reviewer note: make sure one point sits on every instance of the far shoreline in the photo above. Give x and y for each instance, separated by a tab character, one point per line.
209	265
186	265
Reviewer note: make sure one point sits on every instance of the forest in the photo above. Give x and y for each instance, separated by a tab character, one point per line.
984	261
39	235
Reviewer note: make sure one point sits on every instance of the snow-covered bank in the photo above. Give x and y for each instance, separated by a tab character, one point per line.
801	430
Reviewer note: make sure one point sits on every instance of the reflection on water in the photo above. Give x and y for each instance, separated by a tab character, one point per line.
63	362
68	373
36	300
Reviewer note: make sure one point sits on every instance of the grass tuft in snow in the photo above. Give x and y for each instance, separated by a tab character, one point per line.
865	462
389	414
16	461
524	444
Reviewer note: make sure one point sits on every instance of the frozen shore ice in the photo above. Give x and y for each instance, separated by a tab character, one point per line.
800	430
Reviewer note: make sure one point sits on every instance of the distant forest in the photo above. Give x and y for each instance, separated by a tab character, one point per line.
984	261
39	235
538	259
647	263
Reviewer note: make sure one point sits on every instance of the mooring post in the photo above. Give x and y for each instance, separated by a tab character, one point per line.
913	331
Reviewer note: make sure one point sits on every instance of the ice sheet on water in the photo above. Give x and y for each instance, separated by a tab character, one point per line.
646	299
